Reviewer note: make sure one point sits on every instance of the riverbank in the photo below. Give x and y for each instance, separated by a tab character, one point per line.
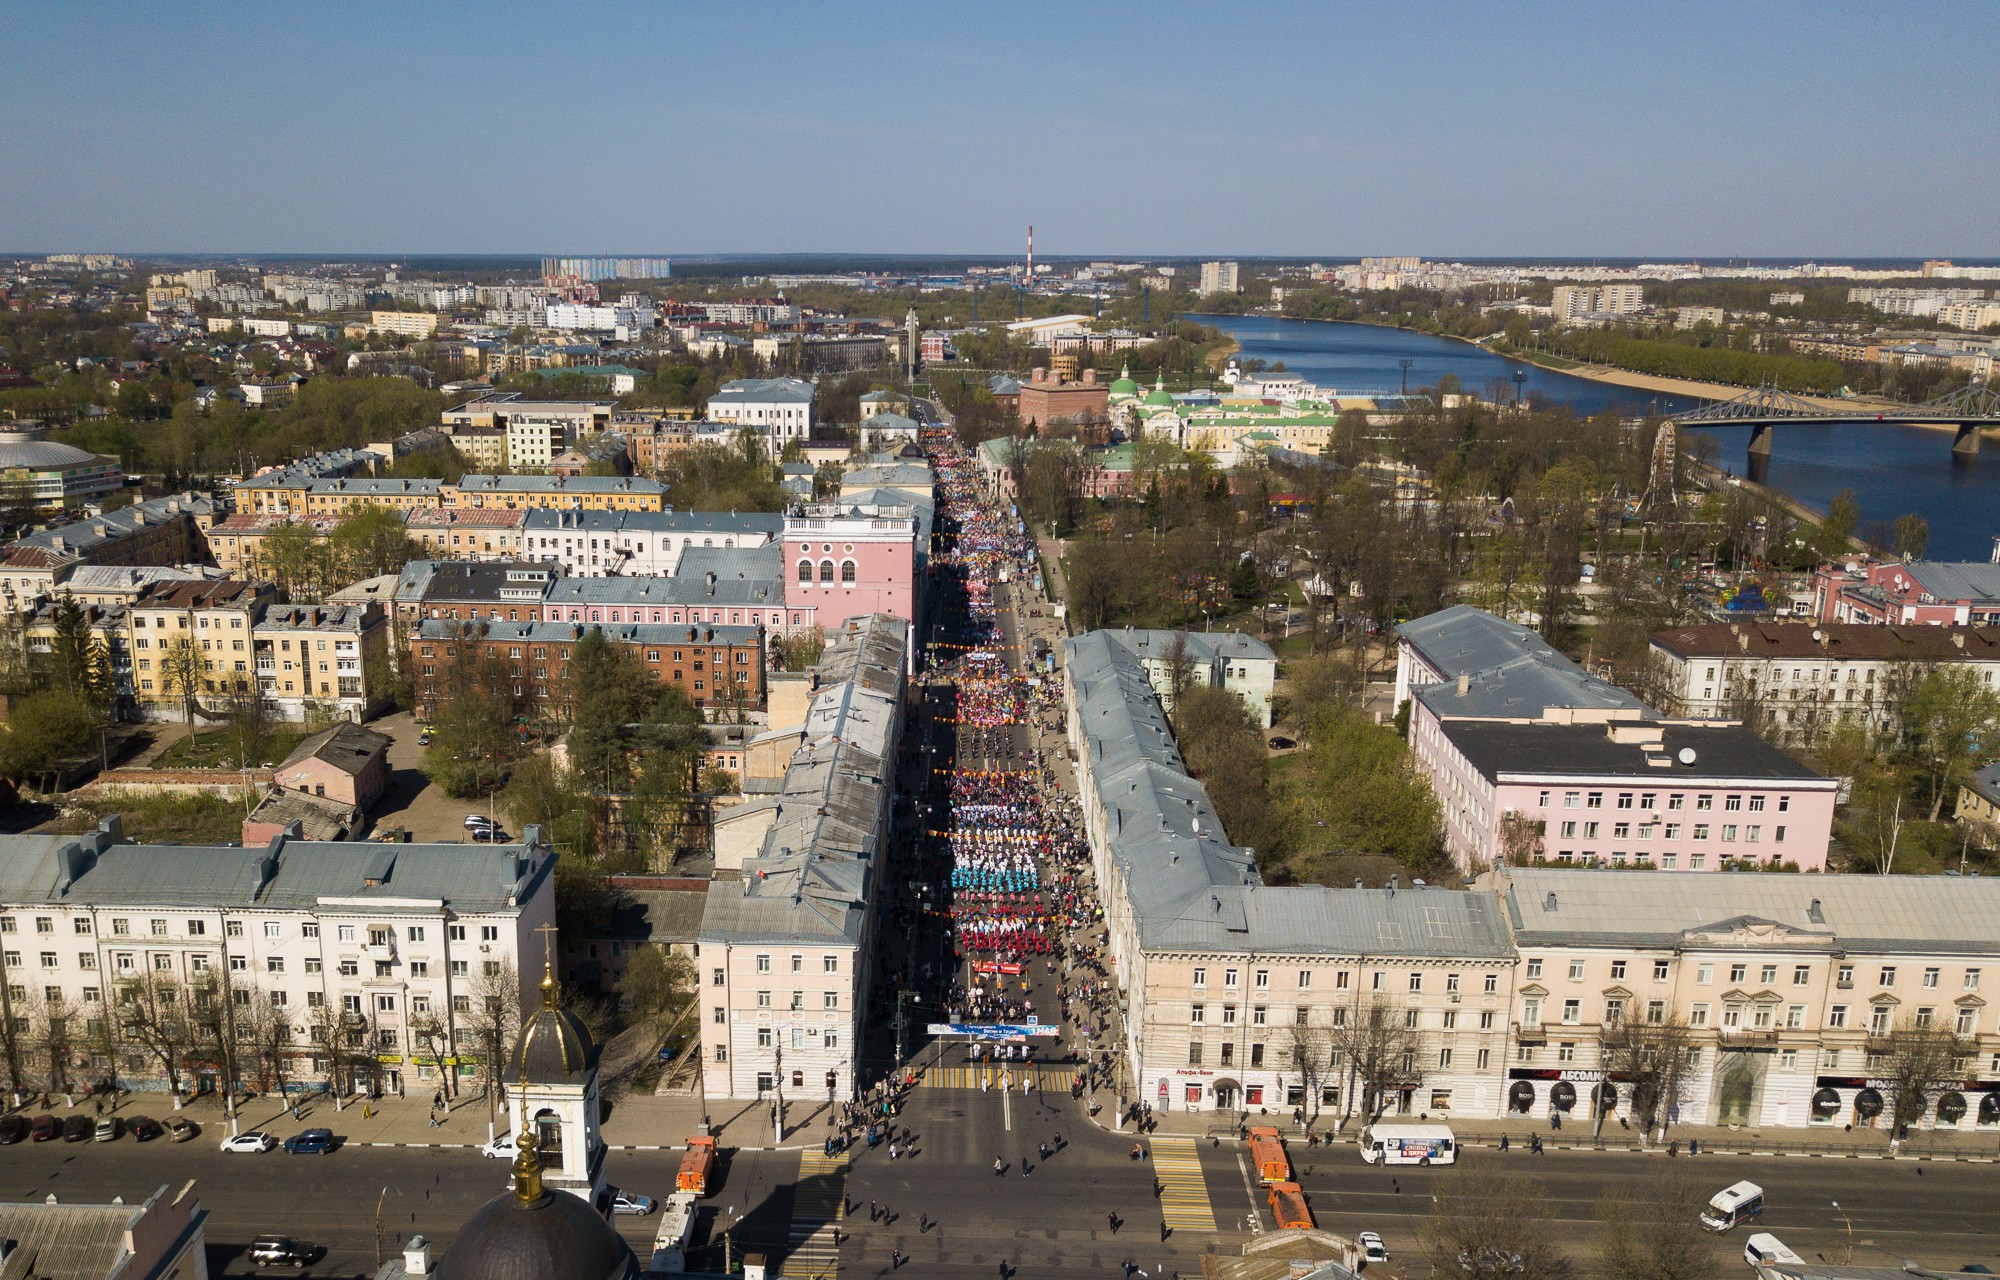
1717	478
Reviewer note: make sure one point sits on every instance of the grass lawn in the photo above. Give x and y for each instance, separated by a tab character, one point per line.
167	817
213	750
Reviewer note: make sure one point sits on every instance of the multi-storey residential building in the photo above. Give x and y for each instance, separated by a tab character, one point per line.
191	645
1802	679
1240	663
281	491
369	965
498	592
499	408
741	587
1620	790
779	409
161	531
470	533
717	666
557	493
1220	277
1247	995
344	496
784	955
237	543
595	544
534	443
1793	995
1921	592
119	585
410	324
846	561
322	658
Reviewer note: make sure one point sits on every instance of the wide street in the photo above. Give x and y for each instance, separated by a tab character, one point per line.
1052	1221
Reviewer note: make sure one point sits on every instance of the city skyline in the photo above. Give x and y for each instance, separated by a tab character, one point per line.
1302	131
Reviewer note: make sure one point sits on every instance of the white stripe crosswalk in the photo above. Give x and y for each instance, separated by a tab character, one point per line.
1184	1204
819	1205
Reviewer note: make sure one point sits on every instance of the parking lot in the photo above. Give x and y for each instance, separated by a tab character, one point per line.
412	802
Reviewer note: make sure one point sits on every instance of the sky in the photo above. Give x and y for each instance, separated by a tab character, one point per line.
1462	129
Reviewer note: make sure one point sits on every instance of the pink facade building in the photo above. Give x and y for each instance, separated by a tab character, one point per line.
847	561
1914	593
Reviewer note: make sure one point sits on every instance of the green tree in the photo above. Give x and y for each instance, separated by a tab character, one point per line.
294	557
371	541
472	743
1843	516
48	729
1953	720
1912	535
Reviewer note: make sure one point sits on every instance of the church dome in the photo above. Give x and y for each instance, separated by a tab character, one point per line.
554	1047
1124	385
530	1233
1158	395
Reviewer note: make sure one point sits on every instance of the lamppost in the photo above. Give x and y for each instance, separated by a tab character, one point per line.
1520	379
1406	362
1849	1259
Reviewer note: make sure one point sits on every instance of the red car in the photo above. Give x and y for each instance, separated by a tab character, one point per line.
45	1129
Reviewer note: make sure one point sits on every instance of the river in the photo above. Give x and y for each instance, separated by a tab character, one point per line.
1892	470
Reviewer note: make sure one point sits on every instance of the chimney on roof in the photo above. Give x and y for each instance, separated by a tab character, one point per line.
1958	639
1464	683
1549	903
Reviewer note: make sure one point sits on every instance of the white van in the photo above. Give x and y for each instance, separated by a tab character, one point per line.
1393	1143
677	1214
1764	1248
1735	1203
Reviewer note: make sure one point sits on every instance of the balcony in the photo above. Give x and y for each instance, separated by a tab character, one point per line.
1744	1037
1531	1032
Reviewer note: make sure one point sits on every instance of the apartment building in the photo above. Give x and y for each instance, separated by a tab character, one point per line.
191	643
1803	679
322	660
595	544
280	491
370	963
1246	995
717	666
499	408
237	543
1910	593
740	586
848	561
784	954
470	533
497	591
556	493
1220	277
779	409
1240	663
1791	993
346	495
162	531
410	324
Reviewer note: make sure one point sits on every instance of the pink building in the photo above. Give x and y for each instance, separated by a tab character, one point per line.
1898	593
1610	788
849	560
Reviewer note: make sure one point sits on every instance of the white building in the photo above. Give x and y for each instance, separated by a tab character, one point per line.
376	958
638	544
786	942
780	408
1220	277
1240	663
594	319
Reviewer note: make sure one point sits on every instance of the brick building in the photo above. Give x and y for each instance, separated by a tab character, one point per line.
1048	399
717	666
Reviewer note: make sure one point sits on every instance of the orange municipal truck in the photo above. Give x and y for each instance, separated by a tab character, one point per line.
698	1165
1267	1149
1288	1206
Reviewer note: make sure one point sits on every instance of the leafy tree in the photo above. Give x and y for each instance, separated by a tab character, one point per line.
472	743
1952	721
1488	1222
295	558
47	730
372	541
656	981
1912	534
1649	1226
1223	747
1843	516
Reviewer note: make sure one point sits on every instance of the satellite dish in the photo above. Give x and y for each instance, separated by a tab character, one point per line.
1685	755
1818	635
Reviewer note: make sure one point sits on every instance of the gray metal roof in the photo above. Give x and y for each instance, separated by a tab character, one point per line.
665	633
1722	753
82	537
1951	580
603	522
1200	646
69	1241
1947	915
764	391
1510	672
559	484
1463	638
1985	783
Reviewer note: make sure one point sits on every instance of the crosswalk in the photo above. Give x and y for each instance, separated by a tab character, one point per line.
1184	1203
1047	1077
819	1205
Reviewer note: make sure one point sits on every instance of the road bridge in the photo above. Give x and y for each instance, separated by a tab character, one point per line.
1971	409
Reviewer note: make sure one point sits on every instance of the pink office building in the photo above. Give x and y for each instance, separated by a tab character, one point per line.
1620	790
847	560
1902	593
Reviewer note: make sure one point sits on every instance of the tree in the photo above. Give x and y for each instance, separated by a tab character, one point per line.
265	1029
1651	1056
656	981
1487	1222
371	541
1649	1226
491	1020
336	1034
1521	840
156	1022
1223	747
46	730
472	743
181	669
54	1027
1951	722
1384	1050
1836	531
1912	534
214	1036
1915	1062
294	557
79	663
1315	1058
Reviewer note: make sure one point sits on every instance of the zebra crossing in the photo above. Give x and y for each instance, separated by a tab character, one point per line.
1047	1077
1184	1204
819	1206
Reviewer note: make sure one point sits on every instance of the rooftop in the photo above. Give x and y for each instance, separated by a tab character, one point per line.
765	391
347	747
1682	754
1831	641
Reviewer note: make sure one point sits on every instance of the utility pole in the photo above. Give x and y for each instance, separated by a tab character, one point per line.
1406	362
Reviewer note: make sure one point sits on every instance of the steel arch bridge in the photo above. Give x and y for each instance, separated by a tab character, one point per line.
1972	408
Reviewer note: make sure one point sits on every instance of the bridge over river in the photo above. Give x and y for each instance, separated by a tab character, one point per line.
1971	409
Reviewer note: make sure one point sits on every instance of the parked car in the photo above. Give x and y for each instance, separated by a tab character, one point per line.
310	1142
1372	1248
43	1128
12	1130
253	1143
424	738
1281	743
108	1129
180	1129
144	1128
671	1049
77	1128
625	1202
281	1251
485	835
474	821
500	1148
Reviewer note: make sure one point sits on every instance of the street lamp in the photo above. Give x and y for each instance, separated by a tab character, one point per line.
1849	1259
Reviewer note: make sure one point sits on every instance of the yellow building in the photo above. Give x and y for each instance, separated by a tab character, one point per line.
411	324
192	640
556	493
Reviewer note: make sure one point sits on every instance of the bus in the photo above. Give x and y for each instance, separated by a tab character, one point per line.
1409	1144
1737	1202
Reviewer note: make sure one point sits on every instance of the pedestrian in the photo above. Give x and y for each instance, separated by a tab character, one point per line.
895	1259
1694	1144
873	1212
999	1166
1115	1223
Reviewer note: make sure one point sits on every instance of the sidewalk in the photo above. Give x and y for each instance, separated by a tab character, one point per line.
1975	1147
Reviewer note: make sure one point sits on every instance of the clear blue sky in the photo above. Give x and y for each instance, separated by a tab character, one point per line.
1444	129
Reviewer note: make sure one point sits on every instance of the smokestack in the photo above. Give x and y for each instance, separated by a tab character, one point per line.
1031	253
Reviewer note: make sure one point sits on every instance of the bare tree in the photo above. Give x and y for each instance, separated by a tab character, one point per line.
1315	1061
1915	1062
1485	1222
265	1030
1180	672
1383	1048
1652	1056
335	1034
152	1012
431	1043
1521	840
54	1026
1649	1226
491	1021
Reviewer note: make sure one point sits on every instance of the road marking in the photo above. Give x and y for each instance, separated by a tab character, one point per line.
1006	1107
1256	1219
819	1205
1184	1204
1048	1078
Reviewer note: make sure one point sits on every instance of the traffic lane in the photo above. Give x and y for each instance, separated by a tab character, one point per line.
331	1200
1933	1212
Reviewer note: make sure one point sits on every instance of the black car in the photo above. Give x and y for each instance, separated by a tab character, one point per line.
13	1129
143	1128
281	1251
78	1128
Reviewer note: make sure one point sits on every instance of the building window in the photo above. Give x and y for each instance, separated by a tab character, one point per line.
1576	971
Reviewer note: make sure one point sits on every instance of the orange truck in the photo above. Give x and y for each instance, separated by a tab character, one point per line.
1267	1149
1288	1206
697	1165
